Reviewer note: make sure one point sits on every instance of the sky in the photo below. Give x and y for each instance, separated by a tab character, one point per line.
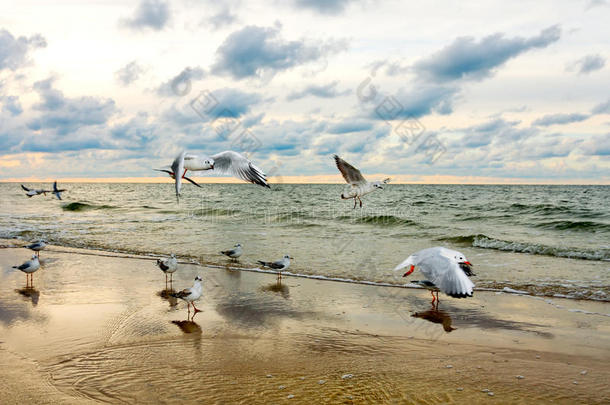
436	91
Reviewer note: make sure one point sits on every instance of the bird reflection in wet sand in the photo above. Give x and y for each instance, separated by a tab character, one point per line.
279	288
31	293
168	295
435	315
188	326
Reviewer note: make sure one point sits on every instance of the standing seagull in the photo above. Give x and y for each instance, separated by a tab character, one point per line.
359	186
233	253
445	269
279	265
37	246
29	268
191	294
31	193
227	162
169	265
57	192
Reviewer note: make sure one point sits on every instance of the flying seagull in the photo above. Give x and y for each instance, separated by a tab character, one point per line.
227	162
446	270
31	193
29	268
279	265
168	265
191	294
37	246
233	253
359	186
57	192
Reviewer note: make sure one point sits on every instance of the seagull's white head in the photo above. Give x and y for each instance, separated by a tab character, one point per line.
377	184
209	164
464	264
173	255
238	245
34	257
287	257
198	278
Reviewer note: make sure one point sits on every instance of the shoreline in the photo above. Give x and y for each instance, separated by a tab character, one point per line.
6	243
99	328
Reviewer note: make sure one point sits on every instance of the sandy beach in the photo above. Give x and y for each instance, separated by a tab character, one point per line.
100	327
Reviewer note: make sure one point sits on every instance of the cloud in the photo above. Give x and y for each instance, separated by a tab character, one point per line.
181	84
587	64
128	73
418	100
602	108
597	145
330	7
469	59
558	119
63	116
323	91
11	105
153	14
14	51
258	51
350	126
222	18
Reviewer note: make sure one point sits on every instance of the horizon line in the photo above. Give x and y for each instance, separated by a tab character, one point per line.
326	179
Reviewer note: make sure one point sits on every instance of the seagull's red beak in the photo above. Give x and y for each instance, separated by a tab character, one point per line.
468	263
410	271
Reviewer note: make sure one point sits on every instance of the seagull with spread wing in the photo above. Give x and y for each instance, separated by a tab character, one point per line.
57	192
227	162
359	186
31	192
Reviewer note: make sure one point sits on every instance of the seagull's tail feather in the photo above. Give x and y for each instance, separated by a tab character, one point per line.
266	264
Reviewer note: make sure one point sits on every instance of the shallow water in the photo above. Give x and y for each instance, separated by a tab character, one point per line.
543	240
104	329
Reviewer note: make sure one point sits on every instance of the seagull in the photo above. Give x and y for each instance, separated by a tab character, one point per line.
191	294
169	265
445	269
37	246
279	265
57	192
29	268
359	186
233	253
227	162
31	193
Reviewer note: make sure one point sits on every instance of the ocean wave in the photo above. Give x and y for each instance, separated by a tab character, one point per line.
574	226
81	206
486	242
389	220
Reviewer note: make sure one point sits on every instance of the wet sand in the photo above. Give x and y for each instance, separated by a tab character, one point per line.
99	327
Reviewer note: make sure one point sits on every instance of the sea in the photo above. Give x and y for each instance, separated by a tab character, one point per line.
541	240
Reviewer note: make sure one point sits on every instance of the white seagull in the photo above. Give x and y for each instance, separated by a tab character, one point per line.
359	186
233	253
279	265
168	265
191	294
446	270
37	246
31	193
227	162
29	268
57	192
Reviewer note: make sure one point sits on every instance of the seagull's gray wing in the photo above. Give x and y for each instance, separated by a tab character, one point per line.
236	164
350	173
178	170
446	275
25	188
